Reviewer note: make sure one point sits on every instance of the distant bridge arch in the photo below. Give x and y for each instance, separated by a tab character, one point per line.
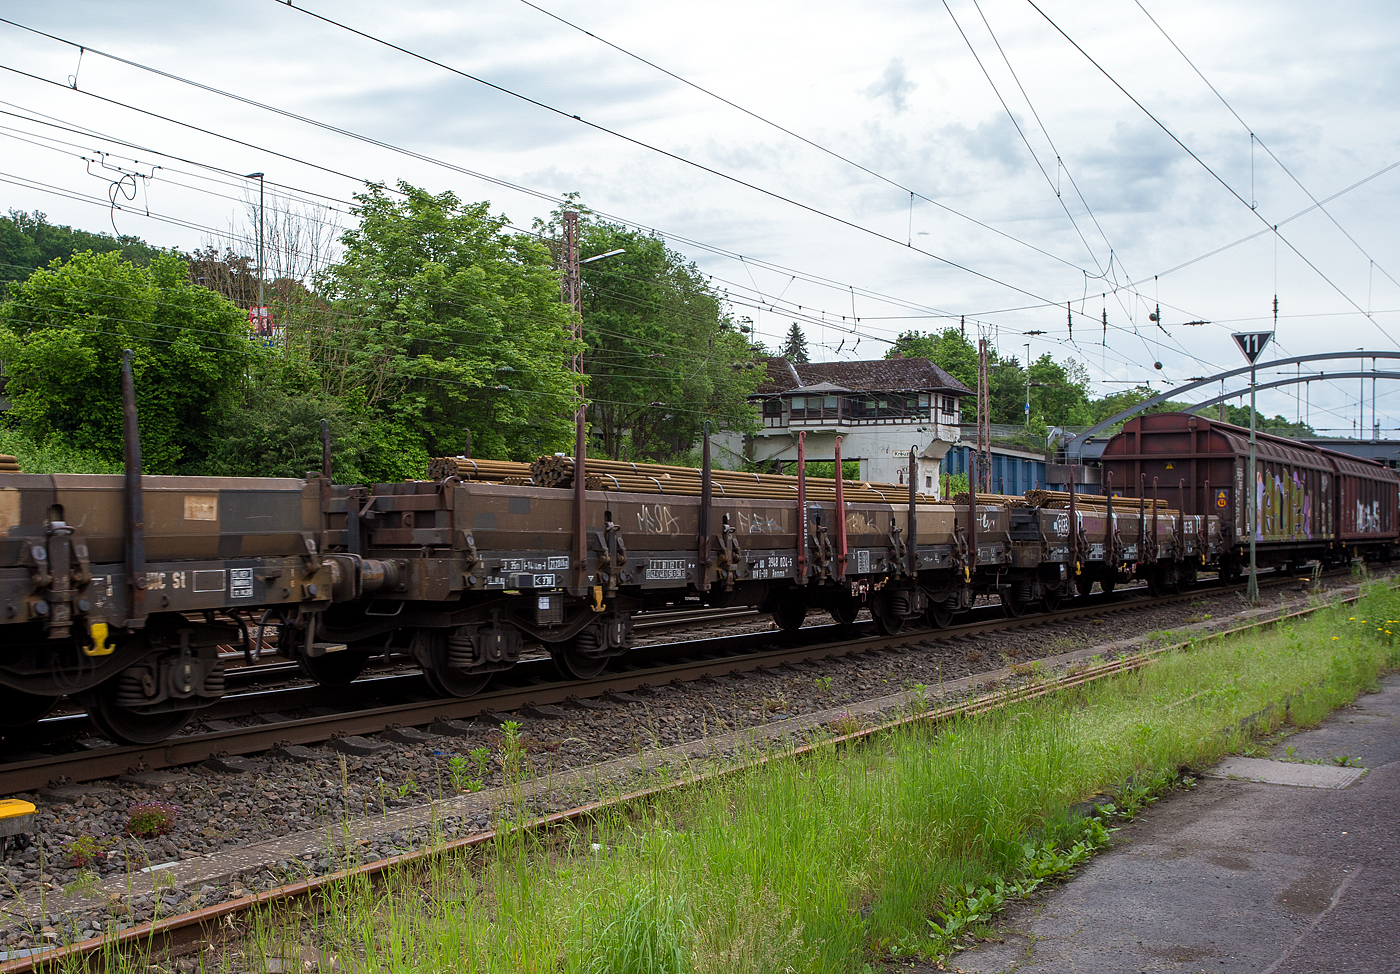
1074	449
1296	380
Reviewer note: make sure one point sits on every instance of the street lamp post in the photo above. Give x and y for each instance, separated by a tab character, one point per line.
1028	385
261	186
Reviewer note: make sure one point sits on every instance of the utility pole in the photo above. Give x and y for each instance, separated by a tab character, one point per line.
573	297
984	420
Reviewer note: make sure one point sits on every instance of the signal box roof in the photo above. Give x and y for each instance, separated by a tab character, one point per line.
877	375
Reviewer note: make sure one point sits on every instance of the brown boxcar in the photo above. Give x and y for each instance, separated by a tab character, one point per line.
1312	503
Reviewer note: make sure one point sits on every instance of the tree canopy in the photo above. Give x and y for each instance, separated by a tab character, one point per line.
443	323
62	332
662	355
1059	393
29	241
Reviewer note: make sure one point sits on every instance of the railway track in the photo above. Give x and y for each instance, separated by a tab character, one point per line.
387	702
186	933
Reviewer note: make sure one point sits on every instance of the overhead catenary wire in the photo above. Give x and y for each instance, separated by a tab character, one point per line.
435	161
259	147
1206	166
805	276
336	129
814	278
897	184
1254	138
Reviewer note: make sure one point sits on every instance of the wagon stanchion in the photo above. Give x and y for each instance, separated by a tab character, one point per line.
840	517
1073	538
913	533
706	497
1110	550
801	567
135	502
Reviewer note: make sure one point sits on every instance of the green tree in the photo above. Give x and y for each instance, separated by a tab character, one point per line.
61	335
1060	393
443	323
1101	409
1278	425
795	346
955	353
662	354
1006	381
948	349
29	241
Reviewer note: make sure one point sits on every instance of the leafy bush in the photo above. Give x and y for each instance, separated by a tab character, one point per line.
53	455
87	850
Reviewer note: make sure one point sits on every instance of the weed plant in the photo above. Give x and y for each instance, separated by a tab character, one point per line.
850	856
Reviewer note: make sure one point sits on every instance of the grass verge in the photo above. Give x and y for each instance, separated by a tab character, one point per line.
849	857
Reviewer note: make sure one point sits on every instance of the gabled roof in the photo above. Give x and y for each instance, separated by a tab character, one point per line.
877	375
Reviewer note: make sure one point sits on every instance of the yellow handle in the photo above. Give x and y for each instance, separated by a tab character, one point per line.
99	646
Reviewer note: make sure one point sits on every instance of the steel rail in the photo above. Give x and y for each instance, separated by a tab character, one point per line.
88	765
184	933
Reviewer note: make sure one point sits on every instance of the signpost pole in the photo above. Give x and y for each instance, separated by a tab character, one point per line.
1252	345
1253	592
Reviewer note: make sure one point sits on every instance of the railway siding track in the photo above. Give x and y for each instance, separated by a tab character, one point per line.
189	932
714	660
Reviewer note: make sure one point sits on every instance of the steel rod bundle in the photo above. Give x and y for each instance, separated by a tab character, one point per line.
485	471
658	478
1057	499
691	487
9	464
1004	500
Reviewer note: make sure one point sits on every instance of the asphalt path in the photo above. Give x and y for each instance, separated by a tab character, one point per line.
1241	874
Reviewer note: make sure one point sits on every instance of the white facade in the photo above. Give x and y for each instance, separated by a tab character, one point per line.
876	428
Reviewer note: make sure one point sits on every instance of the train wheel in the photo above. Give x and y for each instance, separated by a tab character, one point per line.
448	682
334	669
789	614
890	610
1052	599
430	648
18	709
1186	576
574	665
939	616
1012	606
844	611
887	624
130	726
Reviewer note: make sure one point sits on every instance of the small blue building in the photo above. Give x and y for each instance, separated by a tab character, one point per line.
1013	471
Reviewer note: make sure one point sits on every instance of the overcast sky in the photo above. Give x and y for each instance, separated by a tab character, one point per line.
1073	194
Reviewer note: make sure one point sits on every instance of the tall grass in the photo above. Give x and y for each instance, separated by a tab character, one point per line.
843	858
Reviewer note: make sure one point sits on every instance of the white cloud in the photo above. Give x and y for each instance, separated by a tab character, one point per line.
894	85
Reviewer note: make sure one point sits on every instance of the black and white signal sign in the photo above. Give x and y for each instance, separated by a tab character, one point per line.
1252	343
